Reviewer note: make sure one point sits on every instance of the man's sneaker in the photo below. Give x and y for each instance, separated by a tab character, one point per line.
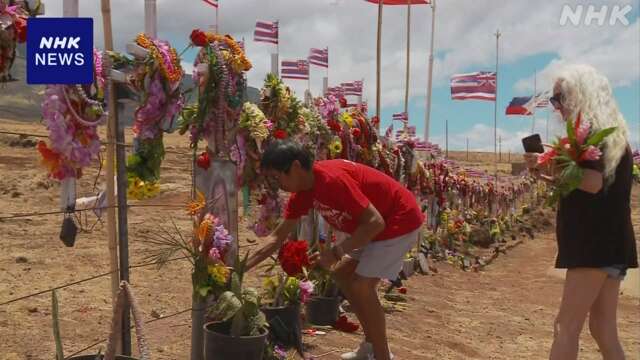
363	352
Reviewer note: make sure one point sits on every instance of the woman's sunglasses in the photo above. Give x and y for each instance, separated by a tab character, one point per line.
555	101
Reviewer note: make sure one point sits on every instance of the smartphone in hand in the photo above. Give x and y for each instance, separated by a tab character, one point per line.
533	144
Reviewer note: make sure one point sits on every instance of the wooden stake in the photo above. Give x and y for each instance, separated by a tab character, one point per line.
378	56
110	170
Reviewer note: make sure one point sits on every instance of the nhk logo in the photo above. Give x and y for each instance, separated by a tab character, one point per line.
60	51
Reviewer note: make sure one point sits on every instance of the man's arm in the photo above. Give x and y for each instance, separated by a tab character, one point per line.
275	240
370	224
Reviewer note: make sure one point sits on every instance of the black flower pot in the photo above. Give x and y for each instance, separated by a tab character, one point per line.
218	345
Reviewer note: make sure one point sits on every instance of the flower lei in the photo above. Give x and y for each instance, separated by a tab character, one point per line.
13	30
158	77
72	117
218	74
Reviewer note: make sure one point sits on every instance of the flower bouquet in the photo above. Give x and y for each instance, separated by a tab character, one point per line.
567	154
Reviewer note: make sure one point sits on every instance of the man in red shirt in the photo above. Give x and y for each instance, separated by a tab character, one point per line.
379	215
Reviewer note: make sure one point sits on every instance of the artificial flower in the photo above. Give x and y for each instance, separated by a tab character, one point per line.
280	134
198	38
204	161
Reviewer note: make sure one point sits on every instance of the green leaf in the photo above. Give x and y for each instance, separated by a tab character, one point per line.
203	290
226	307
571	134
597	138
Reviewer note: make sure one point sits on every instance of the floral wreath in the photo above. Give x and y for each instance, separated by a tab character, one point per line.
13	30
158	79
219	76
72	114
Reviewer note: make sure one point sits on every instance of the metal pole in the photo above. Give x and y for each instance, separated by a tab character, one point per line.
535	94
499	148
467	149
406	87
495	113
446	131
427	119
378	59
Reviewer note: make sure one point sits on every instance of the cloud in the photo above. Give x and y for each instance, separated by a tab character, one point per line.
464	37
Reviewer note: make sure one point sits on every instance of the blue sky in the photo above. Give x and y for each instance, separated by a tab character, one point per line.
533	39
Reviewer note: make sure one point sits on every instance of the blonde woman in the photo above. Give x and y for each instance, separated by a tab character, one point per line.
596	243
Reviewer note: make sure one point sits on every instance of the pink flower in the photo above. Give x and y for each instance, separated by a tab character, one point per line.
592	153
583	132
547	156
306	289
214	254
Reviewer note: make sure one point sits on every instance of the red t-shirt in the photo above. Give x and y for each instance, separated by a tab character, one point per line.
343	189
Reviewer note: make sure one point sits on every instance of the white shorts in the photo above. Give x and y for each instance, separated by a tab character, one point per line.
382	259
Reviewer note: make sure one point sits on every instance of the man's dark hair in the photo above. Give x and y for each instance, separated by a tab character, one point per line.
280	154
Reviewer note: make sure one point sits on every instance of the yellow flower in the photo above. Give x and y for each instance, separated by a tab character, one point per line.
195	206
335	148
270	283
219	273
347	119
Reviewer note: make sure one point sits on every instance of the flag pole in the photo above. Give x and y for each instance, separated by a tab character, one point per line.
495	112
535	94
430	84
218	19
378	56
406	89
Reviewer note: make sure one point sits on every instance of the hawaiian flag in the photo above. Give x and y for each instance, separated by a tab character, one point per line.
518	106
319	57
213	3
389	132
296	70
352	88
336	91
266	32
478	86
403	116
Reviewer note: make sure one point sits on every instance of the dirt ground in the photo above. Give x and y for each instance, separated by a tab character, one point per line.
504	312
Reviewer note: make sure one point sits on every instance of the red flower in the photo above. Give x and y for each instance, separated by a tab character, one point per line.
375	120
402	290
293	257
355	132
333	125
280	134
547	156
199	38
343	102
21	30
203	160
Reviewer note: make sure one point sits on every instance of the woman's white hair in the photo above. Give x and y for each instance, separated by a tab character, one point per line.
584	90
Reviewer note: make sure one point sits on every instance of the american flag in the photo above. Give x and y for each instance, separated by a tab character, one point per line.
297	70
319	57
266	32
352	88
403	116
478	85
213	3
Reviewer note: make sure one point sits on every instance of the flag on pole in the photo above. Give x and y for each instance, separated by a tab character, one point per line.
213	3
389	132
542	99
410	133
403	116
478	86
266	32
336	91
319	57
352	88
400	2
296	70
517	106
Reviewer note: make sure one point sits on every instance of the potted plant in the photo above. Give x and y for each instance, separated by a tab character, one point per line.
285	295
322	308
239	328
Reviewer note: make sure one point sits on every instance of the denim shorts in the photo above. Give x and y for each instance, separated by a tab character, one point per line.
616	272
